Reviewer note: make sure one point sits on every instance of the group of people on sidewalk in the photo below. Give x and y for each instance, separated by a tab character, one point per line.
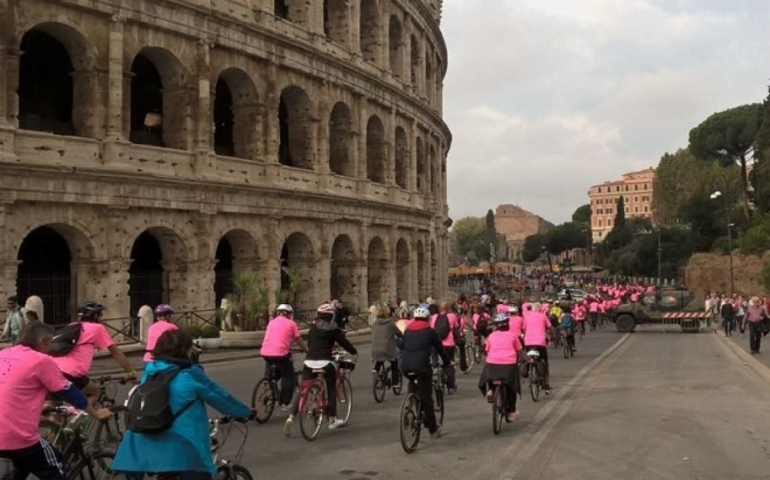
737	312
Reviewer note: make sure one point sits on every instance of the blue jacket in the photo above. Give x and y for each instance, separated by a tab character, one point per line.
567	321
185	447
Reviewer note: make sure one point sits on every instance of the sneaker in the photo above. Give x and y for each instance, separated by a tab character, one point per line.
285	407
512	417
489	396
287	426
452	390
374	371
547	389
336	424
436	433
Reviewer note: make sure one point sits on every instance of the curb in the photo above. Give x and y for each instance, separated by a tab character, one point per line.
755	365
356	338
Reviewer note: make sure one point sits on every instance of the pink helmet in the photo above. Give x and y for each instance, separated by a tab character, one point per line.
325	309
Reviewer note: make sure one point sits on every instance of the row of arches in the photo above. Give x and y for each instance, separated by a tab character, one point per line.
52	99
383	38
51	259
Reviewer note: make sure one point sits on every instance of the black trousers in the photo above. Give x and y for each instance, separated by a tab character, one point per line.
425	393
395	372
286	370
40	460
755	336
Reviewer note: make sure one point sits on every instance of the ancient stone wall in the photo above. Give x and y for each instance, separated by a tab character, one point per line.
225	135
706	272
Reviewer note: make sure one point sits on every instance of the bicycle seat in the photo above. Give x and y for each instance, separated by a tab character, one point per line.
317	365
533	354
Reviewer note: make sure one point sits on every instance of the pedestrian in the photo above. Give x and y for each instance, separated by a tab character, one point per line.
727	310
755	314
14	320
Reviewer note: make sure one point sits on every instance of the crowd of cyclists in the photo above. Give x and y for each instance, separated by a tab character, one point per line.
167	429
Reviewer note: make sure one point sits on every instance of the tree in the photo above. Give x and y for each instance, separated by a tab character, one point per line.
620	215
533	247
730	137
582	214
470	236
764	276
472	259
564	237
760	174
490	231
756	241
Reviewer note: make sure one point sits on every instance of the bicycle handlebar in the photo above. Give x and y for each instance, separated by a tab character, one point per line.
109	379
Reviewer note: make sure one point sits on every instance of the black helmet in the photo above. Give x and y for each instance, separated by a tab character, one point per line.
90	310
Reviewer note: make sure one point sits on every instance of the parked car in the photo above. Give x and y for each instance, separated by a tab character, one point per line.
572	294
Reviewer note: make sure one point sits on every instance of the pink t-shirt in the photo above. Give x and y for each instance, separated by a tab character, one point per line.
77	363
536	324
502	348
26	376
449	341
517	324
153	334
280	332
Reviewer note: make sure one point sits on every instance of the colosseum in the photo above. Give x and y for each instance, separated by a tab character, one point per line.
150	148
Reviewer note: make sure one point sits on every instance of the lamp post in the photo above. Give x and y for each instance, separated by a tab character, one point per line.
716	195
660	254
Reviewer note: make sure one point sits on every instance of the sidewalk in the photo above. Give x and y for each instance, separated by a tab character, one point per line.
760	364
105	365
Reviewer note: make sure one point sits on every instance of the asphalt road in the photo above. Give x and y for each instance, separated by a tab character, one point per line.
642	406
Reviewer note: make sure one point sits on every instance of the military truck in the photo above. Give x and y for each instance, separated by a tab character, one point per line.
664	307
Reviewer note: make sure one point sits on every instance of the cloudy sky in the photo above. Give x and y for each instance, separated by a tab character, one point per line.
548	97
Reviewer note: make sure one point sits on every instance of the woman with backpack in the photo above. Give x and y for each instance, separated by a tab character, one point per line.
161	325
180	444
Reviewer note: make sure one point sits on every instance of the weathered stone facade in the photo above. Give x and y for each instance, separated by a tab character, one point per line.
516	224
149	148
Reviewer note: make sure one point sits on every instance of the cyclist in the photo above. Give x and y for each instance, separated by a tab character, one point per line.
417	344
76	364
321	338
449	342
567	325
162	324
384	331
281	331
503	348
516	323
27	375
536	328
184	447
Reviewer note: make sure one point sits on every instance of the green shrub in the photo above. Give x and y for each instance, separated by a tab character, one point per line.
209	331
194	331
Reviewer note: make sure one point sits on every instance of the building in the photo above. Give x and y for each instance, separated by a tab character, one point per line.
516	224
636	188
147	152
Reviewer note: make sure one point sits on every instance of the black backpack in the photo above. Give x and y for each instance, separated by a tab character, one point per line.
442	326
65	339
149	409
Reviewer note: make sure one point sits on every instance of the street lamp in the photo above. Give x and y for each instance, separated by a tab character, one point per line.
714	196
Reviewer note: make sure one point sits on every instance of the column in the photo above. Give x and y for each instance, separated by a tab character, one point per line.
177	125
191	286
390	148
362	120
203	118
12	85
323	270
9	271
412	180
115	83
322	135
272	264
126	107
271	129
248	130
362	275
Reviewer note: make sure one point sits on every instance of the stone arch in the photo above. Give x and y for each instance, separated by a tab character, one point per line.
341	142
281	9
337	21
46	255
377	271
375	150
396	46
344	265
433	272
402	158
434	167
414	62
422	280
403	277
236	250
157	273
298	260
370	31
235	114
57	81
429	79
160	100
422	169
295	118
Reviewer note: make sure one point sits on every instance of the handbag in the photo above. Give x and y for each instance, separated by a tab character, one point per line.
765	325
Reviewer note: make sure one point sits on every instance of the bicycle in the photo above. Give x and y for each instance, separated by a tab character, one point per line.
313	400
440	377
413	417
110	432
536	378
499	405
267	392
68	437
581	329
567	349
381	381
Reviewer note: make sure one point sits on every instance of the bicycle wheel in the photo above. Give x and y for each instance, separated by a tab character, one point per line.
399	386
411	425
53	432
438	405
498	409
534	383
311	414
345	400
378	387
110	432
470	358
99	463
263	399
233	471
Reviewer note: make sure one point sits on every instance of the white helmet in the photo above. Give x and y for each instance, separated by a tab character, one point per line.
513	309
421	313
284	307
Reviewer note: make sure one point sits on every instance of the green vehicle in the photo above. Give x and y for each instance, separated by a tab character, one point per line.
664	307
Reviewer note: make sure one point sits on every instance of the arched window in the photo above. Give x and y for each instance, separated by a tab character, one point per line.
370	35
396	47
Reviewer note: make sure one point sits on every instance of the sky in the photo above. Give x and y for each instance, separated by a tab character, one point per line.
546	98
